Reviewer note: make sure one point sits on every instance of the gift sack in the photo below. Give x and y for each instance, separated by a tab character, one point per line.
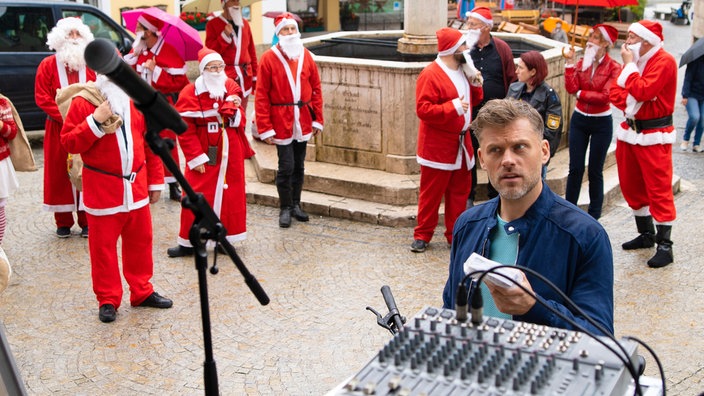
20	150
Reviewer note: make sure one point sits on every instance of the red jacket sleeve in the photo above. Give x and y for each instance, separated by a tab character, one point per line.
45	89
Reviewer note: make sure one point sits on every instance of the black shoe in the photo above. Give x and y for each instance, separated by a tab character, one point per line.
156	301
63	232
299	214
419	246
84	232
179	251
107	313
285	218
642	241
174	192
663	256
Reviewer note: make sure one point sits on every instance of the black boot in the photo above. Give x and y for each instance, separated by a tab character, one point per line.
298	213
646	239
285	217
663	256
174	192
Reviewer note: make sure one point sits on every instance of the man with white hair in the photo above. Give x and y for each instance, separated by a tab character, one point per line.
645	90
69	38
121	177
162	67
289	111
230	35
215	147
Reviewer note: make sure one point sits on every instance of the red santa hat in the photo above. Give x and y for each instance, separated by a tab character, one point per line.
449	40
284	19
608	32
150	22
205	56
483	14
649	31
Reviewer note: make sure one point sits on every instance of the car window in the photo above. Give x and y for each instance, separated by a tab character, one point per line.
24	29
97	24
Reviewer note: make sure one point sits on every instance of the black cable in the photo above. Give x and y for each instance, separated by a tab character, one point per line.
655	357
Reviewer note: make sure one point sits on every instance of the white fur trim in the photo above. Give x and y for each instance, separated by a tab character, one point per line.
452	50
143	21
644	33
629	69
458	106
285	22
199	160
630	136
488	22
207	59
644	211
605	34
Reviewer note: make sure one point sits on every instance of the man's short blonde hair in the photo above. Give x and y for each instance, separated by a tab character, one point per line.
500	113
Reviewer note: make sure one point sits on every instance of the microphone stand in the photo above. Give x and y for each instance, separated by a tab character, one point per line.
206	226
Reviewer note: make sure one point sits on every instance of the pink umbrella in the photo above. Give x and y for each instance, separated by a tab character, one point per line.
274	14
183	37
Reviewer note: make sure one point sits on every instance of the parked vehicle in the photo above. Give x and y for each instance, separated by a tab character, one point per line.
24	26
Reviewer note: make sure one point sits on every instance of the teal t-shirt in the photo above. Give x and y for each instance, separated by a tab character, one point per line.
504	250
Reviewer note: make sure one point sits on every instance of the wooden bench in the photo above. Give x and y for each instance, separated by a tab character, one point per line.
515	16
529	29
509	27
580	35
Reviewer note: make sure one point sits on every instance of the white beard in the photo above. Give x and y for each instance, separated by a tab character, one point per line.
215	84
139	43
635	48
589	56
236	15
71	53
291	45
119	101
468	68
472	36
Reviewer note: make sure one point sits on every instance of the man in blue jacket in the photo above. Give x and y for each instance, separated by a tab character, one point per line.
530	226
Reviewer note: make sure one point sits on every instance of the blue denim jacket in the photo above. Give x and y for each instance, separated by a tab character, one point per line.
556	239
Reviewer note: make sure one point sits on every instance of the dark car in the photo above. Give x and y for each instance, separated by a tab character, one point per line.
24	26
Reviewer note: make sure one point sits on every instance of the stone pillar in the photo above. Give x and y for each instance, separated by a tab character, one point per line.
421	19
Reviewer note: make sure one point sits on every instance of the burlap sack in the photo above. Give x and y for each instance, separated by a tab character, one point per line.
20	151
5	271
75	171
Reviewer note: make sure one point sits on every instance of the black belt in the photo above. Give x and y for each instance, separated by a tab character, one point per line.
300	104
130	178
639	125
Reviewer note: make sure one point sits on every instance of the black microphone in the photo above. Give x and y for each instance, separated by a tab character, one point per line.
461	303
477	310
101	56
391	304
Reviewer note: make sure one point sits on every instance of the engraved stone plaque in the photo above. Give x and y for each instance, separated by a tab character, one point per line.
352	117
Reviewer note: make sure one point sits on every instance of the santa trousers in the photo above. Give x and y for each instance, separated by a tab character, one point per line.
645	175
454	185
135	229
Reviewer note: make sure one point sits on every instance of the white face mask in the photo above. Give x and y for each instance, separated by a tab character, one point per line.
291	45
236	15
589	56
472	36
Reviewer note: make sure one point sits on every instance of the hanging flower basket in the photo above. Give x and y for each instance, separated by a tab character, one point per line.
195	19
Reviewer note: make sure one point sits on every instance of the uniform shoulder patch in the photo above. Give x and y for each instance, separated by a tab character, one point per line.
553	121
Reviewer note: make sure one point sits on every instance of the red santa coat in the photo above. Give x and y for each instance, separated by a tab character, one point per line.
222	184
282	83
59	194
238	52
169	74
441	144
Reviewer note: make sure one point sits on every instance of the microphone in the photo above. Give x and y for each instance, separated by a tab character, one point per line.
391	304
101	56
477	309
461	303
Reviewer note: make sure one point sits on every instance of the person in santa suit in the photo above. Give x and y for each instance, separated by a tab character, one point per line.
230	35
446	90
645	91
69	38
121	177
289	111
162	67
214	146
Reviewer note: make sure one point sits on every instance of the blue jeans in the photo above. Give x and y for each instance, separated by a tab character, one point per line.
695	109
583	129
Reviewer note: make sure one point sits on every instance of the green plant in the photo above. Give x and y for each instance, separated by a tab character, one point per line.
346	13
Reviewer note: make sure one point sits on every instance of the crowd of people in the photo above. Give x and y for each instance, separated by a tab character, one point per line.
476	109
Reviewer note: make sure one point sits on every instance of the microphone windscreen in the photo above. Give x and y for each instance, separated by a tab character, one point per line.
101	56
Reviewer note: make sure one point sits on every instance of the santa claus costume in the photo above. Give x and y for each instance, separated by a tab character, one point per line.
121	176
237	48
214	146
444	150
289	111
168	77
56	71
645	91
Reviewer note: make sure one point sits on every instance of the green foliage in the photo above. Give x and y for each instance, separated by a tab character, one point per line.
639	10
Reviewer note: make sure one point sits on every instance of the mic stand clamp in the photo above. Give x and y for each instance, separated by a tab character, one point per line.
389	321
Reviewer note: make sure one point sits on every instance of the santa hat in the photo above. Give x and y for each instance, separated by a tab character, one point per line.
205	56
57	36
152	23
649	31
483	14
608	32
449	40
284	19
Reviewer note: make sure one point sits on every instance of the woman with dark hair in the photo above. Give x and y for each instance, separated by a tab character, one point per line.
531	70
591	124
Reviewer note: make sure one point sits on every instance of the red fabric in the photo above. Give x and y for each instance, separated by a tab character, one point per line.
594	97
135	230
170	67
448	38
194	143
507	63
227	48
274	88
58	190
65	219
8	131
440	125
435	185
106	194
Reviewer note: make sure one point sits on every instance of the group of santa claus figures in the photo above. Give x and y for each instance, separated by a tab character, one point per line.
88	114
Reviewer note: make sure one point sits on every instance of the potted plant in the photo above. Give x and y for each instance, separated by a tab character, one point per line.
195	19
349	21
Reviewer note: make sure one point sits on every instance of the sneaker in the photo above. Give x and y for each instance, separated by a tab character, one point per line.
684	146
419	246
697	149
63	232
84	232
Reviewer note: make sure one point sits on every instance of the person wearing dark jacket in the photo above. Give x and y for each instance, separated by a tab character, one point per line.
531	226
591	124
693	100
